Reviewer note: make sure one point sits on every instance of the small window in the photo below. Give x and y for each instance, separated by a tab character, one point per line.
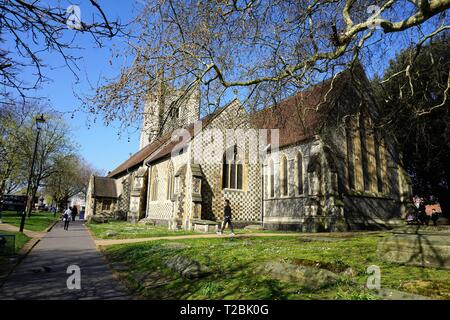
106	205
175	112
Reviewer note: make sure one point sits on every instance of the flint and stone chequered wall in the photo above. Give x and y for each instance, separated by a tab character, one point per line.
245	203
163	208
124	199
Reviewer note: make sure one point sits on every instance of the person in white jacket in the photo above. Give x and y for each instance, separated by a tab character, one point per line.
66	218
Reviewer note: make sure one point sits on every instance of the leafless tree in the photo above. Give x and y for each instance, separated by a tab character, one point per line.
259	50
31	28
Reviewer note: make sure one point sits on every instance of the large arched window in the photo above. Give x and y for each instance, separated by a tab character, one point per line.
350	157
170	180
271	179
154	185
299	171
232	173
283	175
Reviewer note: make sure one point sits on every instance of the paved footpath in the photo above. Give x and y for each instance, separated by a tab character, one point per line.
43	273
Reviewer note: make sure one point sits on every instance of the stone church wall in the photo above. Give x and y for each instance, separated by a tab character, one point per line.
245	203
124	183
162	210
286	212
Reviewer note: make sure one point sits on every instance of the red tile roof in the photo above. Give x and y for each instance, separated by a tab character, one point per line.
104	187
139	157
298	117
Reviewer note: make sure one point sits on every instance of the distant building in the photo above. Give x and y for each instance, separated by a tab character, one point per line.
332	170
102	195
79	201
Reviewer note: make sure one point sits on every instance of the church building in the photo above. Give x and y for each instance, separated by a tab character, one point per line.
316	161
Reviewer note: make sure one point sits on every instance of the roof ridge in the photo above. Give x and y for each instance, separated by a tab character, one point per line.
309	89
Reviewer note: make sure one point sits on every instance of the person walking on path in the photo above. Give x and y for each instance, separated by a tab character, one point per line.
66	218
423	218
227	217
74	212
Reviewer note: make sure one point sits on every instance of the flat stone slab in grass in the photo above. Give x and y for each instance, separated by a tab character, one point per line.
320	239
111	233
305	276
254	227
147	222
428	230
176	245
186	267
391	294
424	250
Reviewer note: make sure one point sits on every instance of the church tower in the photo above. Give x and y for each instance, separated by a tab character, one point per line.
168	111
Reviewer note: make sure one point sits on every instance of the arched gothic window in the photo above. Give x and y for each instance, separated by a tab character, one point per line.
271	179
154	185
232	173
299	171
170	181
283	175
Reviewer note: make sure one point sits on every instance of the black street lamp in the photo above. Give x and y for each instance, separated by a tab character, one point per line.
39	123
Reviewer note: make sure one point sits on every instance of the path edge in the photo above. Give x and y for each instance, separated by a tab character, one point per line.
22	255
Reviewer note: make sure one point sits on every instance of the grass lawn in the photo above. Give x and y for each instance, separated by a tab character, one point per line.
5	263
234	263
21	239
126	230
39	221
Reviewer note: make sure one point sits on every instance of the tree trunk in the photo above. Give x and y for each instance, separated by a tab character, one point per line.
443	195
2	188
33	195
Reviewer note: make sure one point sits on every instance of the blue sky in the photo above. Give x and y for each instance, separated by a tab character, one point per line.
98	144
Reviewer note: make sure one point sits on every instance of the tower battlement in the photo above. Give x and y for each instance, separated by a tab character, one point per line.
167	112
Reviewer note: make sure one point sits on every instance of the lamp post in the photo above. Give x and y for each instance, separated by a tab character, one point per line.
39	123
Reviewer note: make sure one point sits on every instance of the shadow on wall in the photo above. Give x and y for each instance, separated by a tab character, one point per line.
207	198
362	212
